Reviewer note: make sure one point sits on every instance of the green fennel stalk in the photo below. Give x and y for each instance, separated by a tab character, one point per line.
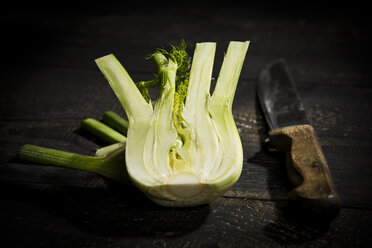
102	131
116	122
108	164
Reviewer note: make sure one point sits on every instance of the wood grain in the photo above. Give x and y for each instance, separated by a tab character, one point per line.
50	83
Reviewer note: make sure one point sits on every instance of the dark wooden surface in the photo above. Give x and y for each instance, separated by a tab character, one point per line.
49	83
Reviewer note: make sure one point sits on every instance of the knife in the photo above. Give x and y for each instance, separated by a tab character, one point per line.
290	132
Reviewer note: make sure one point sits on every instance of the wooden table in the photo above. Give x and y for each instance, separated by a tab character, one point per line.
50	84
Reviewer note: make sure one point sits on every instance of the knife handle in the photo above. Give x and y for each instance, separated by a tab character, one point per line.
307	169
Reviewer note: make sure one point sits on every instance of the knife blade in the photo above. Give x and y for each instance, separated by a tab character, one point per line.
290	132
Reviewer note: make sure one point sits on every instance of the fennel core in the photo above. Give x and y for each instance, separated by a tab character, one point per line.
183	149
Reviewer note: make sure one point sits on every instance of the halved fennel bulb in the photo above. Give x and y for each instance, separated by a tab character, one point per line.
182	152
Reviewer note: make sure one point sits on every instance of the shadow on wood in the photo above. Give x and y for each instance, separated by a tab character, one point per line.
115	211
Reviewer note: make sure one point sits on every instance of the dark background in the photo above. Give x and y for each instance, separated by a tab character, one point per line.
50	83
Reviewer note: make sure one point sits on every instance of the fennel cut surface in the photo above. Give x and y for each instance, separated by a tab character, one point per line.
183	149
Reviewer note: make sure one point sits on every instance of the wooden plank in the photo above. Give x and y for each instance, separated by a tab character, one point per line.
51	84
318	49
119	216
47	112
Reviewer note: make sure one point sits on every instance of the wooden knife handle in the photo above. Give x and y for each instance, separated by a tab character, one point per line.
307	169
